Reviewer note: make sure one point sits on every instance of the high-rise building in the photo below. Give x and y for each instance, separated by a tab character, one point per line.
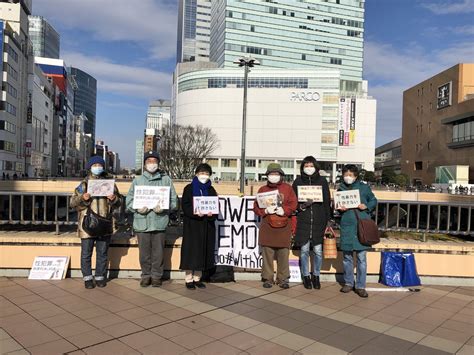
158	114
292	34
16	59
152	139
138	154
44	37
85	98
194	19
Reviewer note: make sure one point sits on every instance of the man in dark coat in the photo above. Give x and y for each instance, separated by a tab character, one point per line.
312	218
199	231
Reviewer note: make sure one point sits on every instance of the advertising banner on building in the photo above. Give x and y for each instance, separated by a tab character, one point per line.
342	114
346	122
1	42
237	233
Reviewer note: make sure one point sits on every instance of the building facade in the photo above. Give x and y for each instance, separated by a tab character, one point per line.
438	124
292	34
389	155
194	20
45	39
291	114
138	154
158	114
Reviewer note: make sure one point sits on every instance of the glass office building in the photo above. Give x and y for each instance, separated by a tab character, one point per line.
292	34
44	37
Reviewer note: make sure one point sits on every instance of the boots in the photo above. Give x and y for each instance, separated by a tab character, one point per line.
307	282
315	282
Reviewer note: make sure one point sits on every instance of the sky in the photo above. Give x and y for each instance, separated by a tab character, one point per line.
130	48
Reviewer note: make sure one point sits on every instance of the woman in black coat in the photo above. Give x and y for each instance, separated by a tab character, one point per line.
312	218
199	231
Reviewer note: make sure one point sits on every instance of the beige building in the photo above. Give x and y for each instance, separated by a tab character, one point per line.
438	124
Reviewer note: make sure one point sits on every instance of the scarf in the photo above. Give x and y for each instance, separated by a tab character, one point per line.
200	189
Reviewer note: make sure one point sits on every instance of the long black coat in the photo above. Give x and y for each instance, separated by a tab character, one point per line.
199	235
311	223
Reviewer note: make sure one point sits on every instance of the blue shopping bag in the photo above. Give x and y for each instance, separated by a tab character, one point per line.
398	270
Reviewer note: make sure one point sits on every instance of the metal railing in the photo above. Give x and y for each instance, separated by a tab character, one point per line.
43	209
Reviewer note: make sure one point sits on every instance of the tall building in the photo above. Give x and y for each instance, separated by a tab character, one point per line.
158	114
291	34
194	19
152	139
438	125
16	61
138	154
85	98
44	37
388	155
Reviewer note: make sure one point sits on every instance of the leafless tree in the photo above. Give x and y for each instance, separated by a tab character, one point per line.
182	148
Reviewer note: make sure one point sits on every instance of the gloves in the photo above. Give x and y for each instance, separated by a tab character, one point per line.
157	209
280	211
305	205
143	210
270	210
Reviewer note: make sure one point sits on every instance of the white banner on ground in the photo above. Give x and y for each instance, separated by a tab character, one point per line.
237	233
49	268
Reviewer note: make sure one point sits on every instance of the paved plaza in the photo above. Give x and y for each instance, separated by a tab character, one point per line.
41	317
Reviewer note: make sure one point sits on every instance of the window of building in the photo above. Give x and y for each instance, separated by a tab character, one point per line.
429	126
288	164
329	125
431	87
417	111
303	57
252	28
284	12
7	146
12	53
250	163
229	163
336	61
10	108
7	126
273	10
429	145
463	131
422	90
329	138
228	176
431	106
292	14
330	99
263	164
418	165
213	162
421	109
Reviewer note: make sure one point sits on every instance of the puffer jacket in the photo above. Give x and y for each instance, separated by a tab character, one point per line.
100	205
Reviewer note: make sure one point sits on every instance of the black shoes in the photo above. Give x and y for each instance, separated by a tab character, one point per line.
156	282
101	283
89	284
199	284
145	282
315	282
346	289
284	285
307	282
361	292
267	284
190	286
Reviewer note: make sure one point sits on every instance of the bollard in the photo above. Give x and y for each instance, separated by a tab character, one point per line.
423	237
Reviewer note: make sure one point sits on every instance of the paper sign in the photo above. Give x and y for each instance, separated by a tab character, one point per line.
206	204
307	193
347	199
151	196
268	199
295	273
49	268
100	187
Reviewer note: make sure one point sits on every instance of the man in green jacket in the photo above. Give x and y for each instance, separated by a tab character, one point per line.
150	224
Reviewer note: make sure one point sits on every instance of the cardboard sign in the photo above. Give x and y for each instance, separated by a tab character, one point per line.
295	272
268	199
151	196
49	268
310	193
100	187
347	199
206	204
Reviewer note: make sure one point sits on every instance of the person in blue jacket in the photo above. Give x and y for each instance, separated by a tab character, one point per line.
349	239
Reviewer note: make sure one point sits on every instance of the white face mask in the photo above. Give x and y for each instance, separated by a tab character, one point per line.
203	178
151	167
309	170
349	180
274	179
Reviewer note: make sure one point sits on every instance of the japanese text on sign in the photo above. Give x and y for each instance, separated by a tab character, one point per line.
310	193
151	197
347	199
206	205
49	268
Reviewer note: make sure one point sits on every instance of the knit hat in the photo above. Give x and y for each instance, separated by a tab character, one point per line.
203	168
274	168
95	160
151	154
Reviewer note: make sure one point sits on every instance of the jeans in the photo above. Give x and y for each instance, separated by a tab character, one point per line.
305	260
348	263
151	247
101	249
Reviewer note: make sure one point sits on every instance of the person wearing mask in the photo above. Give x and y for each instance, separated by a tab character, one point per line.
312	218
82	201
199	230
150	224
275	228
349	226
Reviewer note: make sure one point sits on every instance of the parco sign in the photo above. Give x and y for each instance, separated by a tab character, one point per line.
305	96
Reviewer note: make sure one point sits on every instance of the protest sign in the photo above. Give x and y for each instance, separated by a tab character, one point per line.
295	272
100	187
206	204
347	199
237	233
310	193
151	196
49	268
268	199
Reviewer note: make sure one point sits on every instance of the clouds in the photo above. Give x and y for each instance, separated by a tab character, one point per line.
150	23
450	7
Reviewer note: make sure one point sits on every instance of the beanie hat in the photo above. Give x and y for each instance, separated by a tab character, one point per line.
203	167
151	154
95	160
274	167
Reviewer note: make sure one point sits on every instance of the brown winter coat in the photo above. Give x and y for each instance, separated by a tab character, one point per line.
101	205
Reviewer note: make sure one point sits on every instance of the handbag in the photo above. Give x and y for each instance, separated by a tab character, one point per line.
95	225
276	221
368	231
329	244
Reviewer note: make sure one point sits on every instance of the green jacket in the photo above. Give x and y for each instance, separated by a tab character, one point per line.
152	221
349	239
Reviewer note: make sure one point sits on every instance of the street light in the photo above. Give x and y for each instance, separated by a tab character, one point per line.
247	63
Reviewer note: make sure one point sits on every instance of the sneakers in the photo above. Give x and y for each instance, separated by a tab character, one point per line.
307	282
89	284
199	284
315	282
156	282
361	292
145	282
267	284
101	283
346	289
190	286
